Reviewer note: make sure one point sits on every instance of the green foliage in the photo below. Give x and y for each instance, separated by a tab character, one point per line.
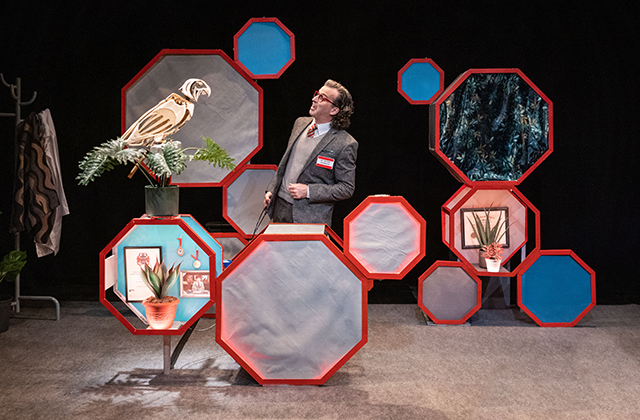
213	153
160	279
158	163
485	233
12	264
104	158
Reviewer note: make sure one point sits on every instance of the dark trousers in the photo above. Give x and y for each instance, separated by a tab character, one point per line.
282	212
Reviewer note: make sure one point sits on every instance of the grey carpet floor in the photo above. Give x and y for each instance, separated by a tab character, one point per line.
498	366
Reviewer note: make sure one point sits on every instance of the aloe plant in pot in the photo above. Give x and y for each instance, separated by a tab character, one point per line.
486	233
160	308
157	162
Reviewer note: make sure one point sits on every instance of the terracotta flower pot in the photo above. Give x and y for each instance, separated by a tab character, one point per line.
160	315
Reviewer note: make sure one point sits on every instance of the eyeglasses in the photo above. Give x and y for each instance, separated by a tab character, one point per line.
322	97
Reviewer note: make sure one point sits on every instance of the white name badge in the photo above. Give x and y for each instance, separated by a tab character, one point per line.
325	162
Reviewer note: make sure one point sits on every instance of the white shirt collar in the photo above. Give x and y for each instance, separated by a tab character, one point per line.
322	128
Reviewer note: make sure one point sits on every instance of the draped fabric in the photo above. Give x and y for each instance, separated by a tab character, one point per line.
35	195
50	143
494	127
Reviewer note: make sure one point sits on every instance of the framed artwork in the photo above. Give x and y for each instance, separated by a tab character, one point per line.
468	237
194	283
135	257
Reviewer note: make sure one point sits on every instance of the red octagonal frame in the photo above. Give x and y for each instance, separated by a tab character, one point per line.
435	95
235	66
108	249
467	269
234	176
240	258
434	133
530	260
422	237
455	203
284	29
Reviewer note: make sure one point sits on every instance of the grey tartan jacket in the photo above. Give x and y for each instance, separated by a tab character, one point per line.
326	186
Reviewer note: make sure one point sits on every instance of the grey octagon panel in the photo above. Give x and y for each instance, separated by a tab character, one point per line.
231	116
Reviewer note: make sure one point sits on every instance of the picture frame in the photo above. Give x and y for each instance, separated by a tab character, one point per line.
195	284
467	236
134	258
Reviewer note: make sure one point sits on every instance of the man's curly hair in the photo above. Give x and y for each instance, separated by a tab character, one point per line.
344	102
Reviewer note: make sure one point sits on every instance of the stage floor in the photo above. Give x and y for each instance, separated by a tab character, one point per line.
500	365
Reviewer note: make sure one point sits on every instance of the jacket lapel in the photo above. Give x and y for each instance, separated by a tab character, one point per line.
324	142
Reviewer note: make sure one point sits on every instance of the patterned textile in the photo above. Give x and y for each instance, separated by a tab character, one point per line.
494	127
35	196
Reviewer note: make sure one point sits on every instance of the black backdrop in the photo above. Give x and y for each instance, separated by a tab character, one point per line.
79	54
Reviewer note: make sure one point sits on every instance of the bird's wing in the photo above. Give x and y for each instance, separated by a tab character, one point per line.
160	121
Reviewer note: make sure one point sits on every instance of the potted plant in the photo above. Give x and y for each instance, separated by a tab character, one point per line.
10	267
486	233
160	308
493	256
158	162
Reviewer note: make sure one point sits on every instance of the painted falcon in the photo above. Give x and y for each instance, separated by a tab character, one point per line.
166	118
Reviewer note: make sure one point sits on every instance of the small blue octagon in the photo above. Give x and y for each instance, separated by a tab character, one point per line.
557	289
420	81
264	48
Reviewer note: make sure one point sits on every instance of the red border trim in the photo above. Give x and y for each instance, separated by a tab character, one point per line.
220	309
235	66
491	186
435	95
229	180
284	67
467	269
155	221
530	260
434	141
360	209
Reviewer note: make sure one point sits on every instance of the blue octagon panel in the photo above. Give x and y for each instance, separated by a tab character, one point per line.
556	290
265	48
421	81
167	238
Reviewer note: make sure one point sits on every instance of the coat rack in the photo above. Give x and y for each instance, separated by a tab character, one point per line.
16	94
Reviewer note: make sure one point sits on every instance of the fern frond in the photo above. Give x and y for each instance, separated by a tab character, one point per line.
104	158
212	153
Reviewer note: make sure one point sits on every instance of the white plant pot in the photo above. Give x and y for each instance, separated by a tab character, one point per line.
493	266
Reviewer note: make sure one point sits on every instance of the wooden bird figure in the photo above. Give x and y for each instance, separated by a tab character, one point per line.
167	117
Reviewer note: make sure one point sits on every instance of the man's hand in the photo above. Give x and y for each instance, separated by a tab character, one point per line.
298	191
267	199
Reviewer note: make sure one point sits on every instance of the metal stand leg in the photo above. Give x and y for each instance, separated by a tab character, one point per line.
166	347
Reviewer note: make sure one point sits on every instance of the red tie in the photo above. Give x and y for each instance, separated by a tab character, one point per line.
312	130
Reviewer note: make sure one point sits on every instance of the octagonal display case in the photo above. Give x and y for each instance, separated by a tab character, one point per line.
556	288
243	198
385	237
264	48
505	203
491	125
449	292
420	81
231	116
175	240
292	309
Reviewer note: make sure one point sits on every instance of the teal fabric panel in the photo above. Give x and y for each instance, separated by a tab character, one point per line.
494	127
556	289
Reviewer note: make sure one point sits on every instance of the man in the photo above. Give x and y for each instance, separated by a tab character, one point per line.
319	166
